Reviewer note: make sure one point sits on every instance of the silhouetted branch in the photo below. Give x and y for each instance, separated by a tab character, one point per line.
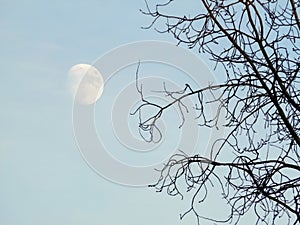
257	43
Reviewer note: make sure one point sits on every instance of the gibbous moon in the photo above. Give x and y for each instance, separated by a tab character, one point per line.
85	83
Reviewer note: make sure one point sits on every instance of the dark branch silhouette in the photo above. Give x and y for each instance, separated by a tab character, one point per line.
257	43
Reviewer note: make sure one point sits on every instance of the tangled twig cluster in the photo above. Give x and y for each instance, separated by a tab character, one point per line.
257	42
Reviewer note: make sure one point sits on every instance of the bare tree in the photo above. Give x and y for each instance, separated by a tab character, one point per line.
257	43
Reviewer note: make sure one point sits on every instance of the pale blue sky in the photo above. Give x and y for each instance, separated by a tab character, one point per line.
43	178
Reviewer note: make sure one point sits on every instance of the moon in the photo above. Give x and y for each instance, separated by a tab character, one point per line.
85	83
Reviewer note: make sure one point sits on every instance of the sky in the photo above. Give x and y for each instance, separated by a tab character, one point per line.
44	178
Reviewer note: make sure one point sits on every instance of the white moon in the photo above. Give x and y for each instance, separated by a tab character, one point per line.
85	83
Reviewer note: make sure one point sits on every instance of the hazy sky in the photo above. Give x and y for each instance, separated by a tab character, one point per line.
43	177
